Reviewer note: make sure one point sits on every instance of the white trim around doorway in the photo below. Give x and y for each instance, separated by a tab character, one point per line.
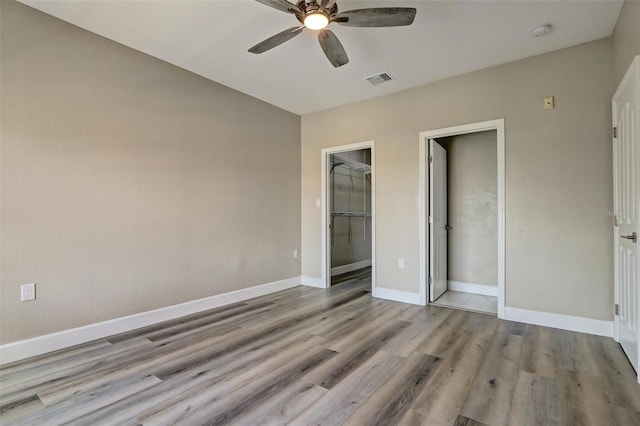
498	126
324	167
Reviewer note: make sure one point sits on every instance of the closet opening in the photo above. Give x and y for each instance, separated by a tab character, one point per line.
463	221
462	260
349	216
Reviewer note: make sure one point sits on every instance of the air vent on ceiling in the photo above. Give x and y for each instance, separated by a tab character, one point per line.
379	78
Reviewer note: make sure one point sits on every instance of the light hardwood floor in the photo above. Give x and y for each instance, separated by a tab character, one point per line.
307	356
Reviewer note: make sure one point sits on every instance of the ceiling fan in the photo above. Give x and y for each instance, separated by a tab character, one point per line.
318	14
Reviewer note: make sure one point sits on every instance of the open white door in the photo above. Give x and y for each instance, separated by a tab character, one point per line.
437	220
626	147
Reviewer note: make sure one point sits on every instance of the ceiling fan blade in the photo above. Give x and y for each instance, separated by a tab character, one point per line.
332	47
324	4
276	40
282	5
377	17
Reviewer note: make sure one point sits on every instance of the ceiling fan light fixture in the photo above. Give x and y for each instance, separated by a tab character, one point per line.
316	21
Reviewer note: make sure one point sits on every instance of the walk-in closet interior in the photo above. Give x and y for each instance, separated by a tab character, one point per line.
350	215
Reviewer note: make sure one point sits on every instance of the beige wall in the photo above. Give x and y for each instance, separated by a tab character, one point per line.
626	39
128	184
472	201
558	174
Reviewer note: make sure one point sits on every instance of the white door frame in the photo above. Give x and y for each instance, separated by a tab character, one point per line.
326	254
498	126
633	68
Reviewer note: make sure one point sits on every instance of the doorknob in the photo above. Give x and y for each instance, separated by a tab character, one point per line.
633	237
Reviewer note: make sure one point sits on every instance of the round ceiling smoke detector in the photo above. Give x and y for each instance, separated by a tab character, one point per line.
541	30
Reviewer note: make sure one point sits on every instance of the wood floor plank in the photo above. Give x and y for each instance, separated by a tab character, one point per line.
353	319
162	359
415	313
283	408
540	351
150	360
537	401
227	317
29	377
579	390
364	330
448	388
445	335
23	392
410	339
308	356
83	403
200	399
626	417
337	406
261	392
465	421
14	414
413	418
616	372
50	357
574	352
193	318
239	367
490	396
348	361
391	401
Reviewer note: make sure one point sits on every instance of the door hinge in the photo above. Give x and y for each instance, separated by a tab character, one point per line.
430	219
617	309
430	280
615	132
431	158
615	221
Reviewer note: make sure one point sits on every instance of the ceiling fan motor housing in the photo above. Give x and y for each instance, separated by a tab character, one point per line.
311	6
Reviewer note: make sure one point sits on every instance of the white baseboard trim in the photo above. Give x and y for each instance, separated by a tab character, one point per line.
313	282
484	289
398	296
563	322
350	267
16	351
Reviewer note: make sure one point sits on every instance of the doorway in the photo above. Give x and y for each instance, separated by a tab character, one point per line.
348	215
463	222
463	218
626	175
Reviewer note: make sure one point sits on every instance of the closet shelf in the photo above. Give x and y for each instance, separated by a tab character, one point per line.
351	214
351	164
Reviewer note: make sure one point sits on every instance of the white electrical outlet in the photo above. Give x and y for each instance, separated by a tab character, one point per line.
295	254
401	263
318	202
27	292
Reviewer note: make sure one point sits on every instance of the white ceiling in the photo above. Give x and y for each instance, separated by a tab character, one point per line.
211	38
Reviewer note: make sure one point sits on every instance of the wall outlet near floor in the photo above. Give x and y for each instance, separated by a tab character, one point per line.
295	253
549	102
27	292
401	263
